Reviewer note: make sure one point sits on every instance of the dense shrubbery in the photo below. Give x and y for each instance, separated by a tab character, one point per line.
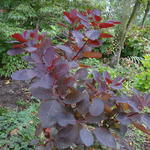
77	109
17	128
10	64
137	42
142	80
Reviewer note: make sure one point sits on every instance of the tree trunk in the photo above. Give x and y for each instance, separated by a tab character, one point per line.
134	13
146	12
123	30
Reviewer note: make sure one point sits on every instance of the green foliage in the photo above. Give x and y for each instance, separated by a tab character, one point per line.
10	64
17	128
137	42
142	80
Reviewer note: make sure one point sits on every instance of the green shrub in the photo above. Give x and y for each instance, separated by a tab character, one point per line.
9	64
17	128
137	42
142	80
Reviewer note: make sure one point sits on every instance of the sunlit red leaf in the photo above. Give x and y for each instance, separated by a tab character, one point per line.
94	24
97	18
19	37
94	42
84	66
105	35
70	16
81	26
40	37
108	81
105	25
92	54
32	34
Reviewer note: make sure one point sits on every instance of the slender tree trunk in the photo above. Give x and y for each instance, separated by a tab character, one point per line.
146	12
134	13
123	30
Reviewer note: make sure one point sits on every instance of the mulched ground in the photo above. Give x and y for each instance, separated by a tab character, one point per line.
12	91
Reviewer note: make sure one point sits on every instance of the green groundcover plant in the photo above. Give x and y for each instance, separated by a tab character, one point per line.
142	80
17	128
77	110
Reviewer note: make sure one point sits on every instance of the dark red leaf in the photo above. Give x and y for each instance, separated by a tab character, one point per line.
71	16
19	45
94	24
105	35
40	37
105	25
79	27
94	42
33	34
19	37
107	78
97	18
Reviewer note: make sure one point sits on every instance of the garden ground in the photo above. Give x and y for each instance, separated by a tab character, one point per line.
11	92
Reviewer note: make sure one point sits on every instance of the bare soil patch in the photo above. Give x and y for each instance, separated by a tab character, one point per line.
11	91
